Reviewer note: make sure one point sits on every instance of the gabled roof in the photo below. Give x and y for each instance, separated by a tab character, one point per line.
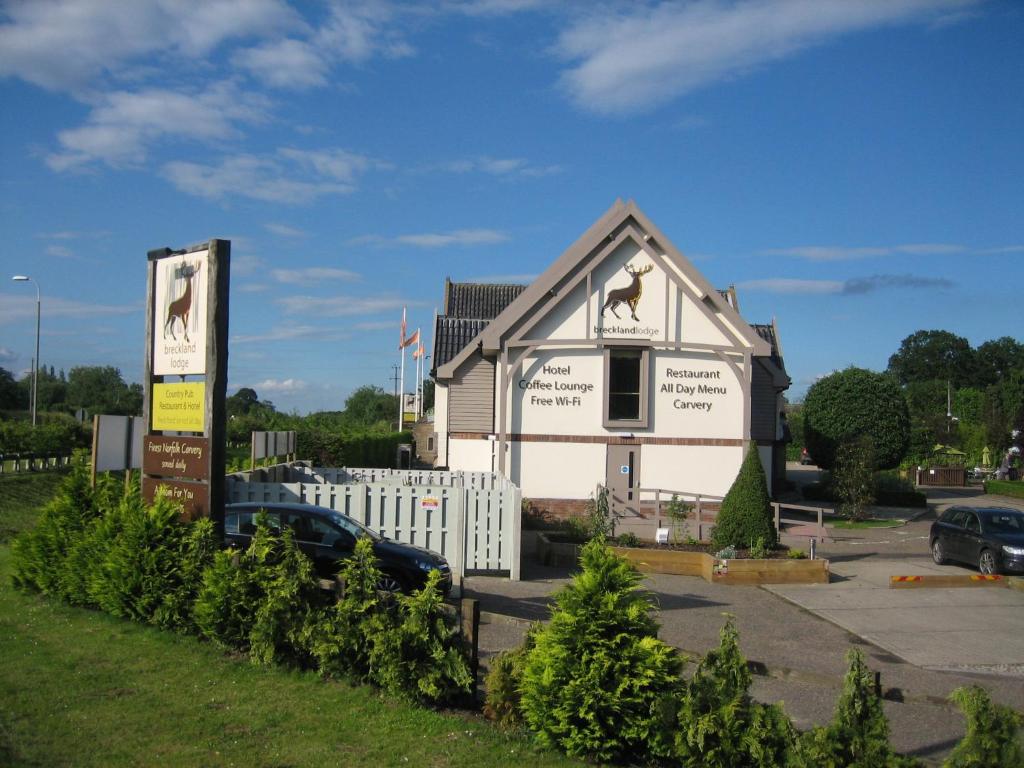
481	301
622	220
452	334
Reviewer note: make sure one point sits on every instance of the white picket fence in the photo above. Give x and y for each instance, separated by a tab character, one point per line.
471	518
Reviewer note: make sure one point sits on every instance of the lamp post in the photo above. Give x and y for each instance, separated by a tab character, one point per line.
35	367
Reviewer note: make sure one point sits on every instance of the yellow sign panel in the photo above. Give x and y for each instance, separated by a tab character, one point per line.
179	407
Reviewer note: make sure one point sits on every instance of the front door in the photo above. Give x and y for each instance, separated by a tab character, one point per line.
623	480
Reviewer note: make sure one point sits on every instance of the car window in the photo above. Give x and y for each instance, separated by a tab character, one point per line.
949	514
1003	522
244	522
971	523
231	522
348	524
957	517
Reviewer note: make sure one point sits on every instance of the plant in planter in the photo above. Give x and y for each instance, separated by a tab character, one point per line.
746	513
678	511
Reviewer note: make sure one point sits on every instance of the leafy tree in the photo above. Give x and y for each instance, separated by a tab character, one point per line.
369	406
720	725
599	683
856	402
12	397
997	358
240	403
100	389
746	513
992	738
926	355
858	736
428	394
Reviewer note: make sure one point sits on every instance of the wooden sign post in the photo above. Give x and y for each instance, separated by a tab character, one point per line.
186	377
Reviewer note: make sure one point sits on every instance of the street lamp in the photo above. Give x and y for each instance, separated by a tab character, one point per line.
35	367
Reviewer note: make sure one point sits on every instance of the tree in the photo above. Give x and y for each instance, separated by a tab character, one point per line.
853	478
369	406
856	402
927	355
997	358
746	513
243	401
100	389
12	397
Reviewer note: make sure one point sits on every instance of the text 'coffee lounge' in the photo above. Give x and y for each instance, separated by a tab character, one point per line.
620	365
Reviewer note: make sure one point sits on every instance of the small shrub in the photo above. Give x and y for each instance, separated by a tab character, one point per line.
858	735
719	725
339	637
504	681
600	521
599	683
417	651
628	540
678	512
746	512
759	550
992	738
853	481
796	554
728	553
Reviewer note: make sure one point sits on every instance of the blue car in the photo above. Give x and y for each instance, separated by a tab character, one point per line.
327	537
991	538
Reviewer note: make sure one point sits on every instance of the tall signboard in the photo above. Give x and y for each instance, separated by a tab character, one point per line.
186	377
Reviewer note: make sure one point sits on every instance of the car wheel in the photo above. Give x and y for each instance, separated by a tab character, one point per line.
390	584
987	562
938	553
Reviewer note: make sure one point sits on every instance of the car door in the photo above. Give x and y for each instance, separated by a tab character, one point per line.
240	525
952	527
322	542
972	540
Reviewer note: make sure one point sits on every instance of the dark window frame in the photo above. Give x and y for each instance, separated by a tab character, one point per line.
645	375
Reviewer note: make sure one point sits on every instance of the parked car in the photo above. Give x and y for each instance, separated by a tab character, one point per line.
992	538
328	537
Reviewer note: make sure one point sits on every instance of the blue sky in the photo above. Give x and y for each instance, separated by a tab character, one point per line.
854	168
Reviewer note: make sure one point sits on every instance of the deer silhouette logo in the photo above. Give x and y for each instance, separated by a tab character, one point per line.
630	294
179	308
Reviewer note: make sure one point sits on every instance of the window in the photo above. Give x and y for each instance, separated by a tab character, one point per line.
625	386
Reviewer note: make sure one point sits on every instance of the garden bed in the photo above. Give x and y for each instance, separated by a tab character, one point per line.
696	560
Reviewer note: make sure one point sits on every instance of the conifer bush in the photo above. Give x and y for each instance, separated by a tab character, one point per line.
504	680
720	725
746	513
599	683
858	736
992	739
339	637
416	650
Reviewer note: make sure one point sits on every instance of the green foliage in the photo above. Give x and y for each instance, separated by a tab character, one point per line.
851	403
853	481
934	355
1013	488
760	550
992	739
719	725
678	511
628	539
504	683
796	554
370	407
339	637
599	683
56	434
261	604
600	521
858	736
334	448
417	651
746	513
100	389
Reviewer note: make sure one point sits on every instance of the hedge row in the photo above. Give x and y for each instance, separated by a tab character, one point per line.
598	684
108	550
333	449
1005	488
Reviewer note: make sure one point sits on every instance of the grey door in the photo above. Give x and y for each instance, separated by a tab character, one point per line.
623	479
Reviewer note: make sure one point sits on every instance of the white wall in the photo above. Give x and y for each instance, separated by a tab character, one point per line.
441	423
471	455
557	470
690	468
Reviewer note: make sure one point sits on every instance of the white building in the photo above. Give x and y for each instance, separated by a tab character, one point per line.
620	365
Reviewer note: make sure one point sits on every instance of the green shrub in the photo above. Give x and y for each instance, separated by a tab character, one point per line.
796	554
719	725
599	683
1005	488
628	540
261	604
858	736
853	481
599	519
856	402
992	739
504	683
417	650
339	637
746	513
760	550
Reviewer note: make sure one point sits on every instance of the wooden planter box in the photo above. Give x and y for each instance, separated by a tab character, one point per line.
750	572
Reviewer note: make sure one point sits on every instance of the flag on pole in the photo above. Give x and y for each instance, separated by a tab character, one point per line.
418	352
401	333
414	339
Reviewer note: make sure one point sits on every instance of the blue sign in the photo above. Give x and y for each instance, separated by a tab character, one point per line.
624	469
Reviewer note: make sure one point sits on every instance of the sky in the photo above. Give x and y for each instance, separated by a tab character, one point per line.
854	168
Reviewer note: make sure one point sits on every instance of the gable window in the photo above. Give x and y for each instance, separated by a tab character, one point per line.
625	387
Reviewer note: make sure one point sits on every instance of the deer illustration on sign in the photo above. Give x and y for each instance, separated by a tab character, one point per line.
180	307
630	294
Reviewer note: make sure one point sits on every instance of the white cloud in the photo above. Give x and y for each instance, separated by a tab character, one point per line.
791	285
312	275
282	385
336	164
285	63
60	251
1003	249
854	286
14	308
7	356
123	124
356	31
497	166
341	306
245	265
283	230
251	288
637	56
844	253
281	333
66	44
458	237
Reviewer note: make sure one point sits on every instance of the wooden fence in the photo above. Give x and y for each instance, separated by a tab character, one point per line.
32	462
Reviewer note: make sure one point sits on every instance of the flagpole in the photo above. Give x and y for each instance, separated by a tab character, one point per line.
401	393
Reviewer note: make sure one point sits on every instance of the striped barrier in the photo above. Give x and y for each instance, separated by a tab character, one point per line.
965	580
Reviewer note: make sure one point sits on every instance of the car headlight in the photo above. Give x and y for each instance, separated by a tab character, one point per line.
424	565
1013	550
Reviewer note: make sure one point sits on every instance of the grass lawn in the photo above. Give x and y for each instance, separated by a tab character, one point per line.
869	523
21	496
82	688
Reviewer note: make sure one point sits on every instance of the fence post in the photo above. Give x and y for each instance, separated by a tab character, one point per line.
459	547
778	516
470	614
517	533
